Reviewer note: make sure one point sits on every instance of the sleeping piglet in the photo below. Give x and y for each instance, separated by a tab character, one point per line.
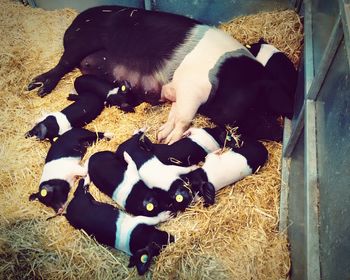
192	148
78	114
154	173
134	235
279	67
221	169
62	165
118	94
119	179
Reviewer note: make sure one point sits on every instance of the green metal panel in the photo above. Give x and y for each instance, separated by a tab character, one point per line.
333	147
296	211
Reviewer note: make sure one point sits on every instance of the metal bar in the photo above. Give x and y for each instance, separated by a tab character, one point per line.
345	17
293	139
311	188
147	4
326	61
283	221
308	47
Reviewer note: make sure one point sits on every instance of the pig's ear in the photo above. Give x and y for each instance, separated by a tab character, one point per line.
39	131
127	108
145	143
142	260
207	191
262	41
33	196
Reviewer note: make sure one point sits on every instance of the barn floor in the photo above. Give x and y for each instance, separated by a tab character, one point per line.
237	238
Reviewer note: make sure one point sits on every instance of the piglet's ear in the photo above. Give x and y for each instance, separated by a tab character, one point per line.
41	132
207	191
142	260
145	143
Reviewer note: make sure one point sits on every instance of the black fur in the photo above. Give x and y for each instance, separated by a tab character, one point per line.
107	171
99	220
79	113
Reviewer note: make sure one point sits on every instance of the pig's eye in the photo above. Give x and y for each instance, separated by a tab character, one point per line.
179	198
149	207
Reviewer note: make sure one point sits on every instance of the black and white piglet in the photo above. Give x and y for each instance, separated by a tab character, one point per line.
279	67
78	114
119	179
221	169
154	173
62	165
134	235
118	94
192	148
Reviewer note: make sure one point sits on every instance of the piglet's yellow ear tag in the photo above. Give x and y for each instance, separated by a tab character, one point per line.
123	88
248	46
149	207
55	139
43	192
179	198
144	258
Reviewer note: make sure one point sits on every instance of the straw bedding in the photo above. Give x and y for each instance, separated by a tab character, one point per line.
237	238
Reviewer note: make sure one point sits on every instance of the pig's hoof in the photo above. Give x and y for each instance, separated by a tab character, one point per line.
44	82
165	216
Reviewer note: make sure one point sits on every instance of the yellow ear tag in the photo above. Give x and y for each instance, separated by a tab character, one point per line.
55	139
123	88
248	46
179	198
149	207
228	138
43	192
144	258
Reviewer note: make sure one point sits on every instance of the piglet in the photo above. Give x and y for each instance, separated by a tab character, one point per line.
62	165
134	235
192	148
153	172
78	114
119	179
221	169
278	66
118	94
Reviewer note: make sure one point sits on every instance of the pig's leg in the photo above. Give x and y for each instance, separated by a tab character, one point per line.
151	221
188	100
70	59
166	128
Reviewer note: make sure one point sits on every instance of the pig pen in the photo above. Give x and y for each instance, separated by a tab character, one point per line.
237	238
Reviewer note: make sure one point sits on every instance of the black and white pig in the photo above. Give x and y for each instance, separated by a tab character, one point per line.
78	114
191	149
120	180
62	166
154	173
167	57
134	235
280	68
221	169
116	94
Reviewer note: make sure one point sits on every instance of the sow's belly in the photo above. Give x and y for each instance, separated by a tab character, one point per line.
190	67
147	85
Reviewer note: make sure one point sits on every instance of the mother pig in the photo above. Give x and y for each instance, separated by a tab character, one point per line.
167	57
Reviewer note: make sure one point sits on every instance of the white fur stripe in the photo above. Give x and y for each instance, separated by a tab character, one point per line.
63	168
113	92
226	168
265	53
121	193
203	139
